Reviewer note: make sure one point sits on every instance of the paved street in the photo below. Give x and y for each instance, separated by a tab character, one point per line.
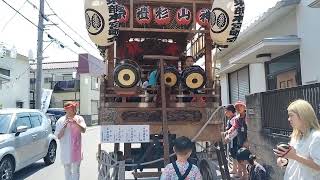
38	171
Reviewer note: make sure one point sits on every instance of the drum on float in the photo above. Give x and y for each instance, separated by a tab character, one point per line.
193	78
171	76
127	74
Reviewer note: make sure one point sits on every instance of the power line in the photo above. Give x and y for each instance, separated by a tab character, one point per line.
71	50
17	11
6	24
68	25
57	42
33	5
49	36
55	24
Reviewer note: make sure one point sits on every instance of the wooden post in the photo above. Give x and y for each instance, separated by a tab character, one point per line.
127	150
116	147
131	13
164	116
208	59
194	12
110	66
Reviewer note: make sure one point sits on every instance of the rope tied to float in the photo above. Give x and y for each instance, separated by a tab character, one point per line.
161	159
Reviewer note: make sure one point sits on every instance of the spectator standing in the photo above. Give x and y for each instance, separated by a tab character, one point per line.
68	131
303	154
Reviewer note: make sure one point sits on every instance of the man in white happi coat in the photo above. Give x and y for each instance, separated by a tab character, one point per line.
68	131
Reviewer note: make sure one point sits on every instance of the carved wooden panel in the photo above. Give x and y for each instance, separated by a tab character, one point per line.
155	116
108	116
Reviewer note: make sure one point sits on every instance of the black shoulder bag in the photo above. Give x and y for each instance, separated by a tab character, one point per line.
180	176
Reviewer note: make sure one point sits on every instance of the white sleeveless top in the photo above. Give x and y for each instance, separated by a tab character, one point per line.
307	147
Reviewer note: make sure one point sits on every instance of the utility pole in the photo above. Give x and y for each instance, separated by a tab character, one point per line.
39	56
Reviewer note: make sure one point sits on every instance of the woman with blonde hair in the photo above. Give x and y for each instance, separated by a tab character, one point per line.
303	154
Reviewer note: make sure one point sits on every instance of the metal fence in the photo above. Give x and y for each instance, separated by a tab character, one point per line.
274	104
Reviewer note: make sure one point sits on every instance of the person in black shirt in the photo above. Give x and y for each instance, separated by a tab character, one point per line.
241	124
255	170
231	138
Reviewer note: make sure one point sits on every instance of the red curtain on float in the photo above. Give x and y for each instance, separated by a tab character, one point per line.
172	49
130	50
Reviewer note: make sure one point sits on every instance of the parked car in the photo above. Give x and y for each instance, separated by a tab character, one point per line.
58	112
25	137
53	121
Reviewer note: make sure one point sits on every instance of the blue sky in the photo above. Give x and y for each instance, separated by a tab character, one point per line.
23	35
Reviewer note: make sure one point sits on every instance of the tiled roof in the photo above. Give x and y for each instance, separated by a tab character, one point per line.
57	65
267	17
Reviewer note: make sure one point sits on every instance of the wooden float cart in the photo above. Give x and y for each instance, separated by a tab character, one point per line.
170	116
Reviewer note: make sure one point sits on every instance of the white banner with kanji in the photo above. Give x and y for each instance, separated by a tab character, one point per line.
45	99
125	133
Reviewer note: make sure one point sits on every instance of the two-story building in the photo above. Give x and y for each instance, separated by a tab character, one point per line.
279	50
274	62
14	81
74	81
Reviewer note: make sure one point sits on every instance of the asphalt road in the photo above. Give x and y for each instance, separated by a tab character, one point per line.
89	165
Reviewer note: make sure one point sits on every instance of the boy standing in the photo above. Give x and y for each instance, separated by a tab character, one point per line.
181	169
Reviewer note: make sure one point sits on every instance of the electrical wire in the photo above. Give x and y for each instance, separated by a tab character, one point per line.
53	39
17	11
6	24
68	25
56	25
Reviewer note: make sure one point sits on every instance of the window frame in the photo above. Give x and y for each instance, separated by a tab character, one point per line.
95	81
271	77
39	119
7	72
21	115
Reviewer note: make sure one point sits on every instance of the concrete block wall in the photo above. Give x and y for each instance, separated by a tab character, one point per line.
261	140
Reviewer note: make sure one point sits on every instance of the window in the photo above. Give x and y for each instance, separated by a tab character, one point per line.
284	71
19	104
35	120
5	72
5	120
32	84
94	107
67	77
94	83
239	83
23	121
32	80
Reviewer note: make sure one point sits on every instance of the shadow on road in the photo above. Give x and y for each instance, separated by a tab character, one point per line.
29	171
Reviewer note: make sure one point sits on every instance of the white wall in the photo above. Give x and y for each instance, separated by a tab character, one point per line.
58	98
16	89
308	30
224	89
87	94
257	78
286	25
